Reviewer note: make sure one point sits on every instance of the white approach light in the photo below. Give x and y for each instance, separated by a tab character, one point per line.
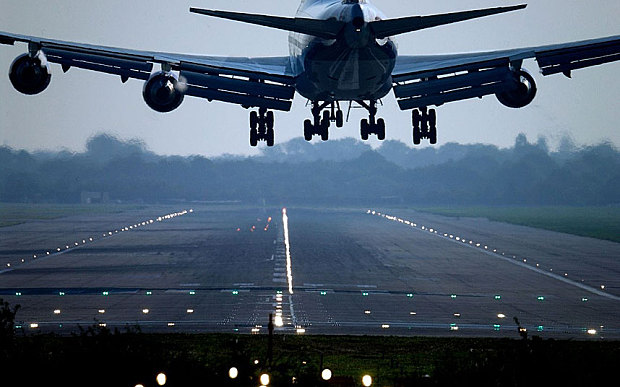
326	374
367	380
264	379
161	378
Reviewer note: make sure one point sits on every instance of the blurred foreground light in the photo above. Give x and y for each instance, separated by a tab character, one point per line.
161	378
101	311
367	380
326	374
301	331
385	326
145	311
139	385
592	331
56	311
233	372
264	379
501	315
278	321
34	325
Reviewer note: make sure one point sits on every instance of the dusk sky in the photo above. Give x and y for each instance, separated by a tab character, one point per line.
80	103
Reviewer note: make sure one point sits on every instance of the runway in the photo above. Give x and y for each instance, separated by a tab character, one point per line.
378	271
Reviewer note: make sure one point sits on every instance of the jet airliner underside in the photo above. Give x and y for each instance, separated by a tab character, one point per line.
339	51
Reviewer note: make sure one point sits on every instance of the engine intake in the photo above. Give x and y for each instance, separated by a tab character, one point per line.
30	75
163	92
523	94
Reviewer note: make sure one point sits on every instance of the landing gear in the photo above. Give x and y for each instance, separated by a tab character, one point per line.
320	123
261	127
424	125
372	125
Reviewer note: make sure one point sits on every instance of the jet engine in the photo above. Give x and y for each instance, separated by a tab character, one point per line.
523	94
30	75
163	92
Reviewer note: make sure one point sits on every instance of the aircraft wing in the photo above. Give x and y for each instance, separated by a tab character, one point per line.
250	82
436	79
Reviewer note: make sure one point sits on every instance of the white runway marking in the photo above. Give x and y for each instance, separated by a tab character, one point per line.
494	253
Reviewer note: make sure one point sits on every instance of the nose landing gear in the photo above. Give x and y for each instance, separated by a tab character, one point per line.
372	125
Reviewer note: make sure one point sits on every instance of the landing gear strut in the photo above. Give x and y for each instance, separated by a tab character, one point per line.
372	124
424	125
321	122
261	126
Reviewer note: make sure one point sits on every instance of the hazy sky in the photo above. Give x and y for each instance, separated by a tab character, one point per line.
82	103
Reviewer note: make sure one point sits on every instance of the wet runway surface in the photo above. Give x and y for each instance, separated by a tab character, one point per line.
334	271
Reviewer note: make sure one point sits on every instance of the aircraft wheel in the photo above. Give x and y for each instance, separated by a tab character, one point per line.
364	129
270	137
269	120
325	132
416	135
339	119
381	129
308	130
415	118
432	118
253	137
253	120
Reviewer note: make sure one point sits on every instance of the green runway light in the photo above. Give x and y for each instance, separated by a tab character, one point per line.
584	299
235	292
148	292
410	295
323	293
498	297
106	293
364	294
540	298
18	294
453	296
540	328
278	291
61	293
192	292
496	327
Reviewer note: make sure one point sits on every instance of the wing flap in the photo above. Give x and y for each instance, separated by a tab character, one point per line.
454	84
564	60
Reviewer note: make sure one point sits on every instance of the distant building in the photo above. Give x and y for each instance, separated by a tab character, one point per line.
87	197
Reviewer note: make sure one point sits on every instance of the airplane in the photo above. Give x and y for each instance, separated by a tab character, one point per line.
339	51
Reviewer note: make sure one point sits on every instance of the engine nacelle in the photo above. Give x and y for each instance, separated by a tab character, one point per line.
523	94
30	75
163	92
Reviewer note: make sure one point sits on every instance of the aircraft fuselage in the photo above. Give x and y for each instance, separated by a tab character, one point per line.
354	66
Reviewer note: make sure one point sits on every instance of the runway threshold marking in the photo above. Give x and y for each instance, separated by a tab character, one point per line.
494	253
289	271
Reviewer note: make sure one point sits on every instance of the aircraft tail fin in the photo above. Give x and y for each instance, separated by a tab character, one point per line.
326	29
391	27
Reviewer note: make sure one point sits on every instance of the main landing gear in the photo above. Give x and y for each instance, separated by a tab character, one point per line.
321	122
424	125
372	125
261	127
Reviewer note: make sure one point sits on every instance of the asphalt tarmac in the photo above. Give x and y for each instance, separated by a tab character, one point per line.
208	268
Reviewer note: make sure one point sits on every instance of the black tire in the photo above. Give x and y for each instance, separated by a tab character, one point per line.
325	121
433	135
432	118
253	137
364	129
325	132
339	119
380	129
308	130
269	119
253	120
415	118
416	136
270	137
